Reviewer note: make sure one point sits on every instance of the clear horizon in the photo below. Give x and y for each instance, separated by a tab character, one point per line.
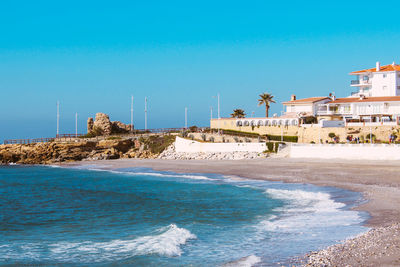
93	56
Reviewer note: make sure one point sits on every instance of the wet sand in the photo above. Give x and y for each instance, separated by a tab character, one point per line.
378	181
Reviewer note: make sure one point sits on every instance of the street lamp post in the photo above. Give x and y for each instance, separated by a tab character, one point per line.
132	113
58	118
186	125
145	113
76	125
370	124
219	117
282	126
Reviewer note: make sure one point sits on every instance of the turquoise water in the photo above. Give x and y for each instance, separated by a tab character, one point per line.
138	217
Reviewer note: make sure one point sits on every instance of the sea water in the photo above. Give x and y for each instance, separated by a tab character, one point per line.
139	217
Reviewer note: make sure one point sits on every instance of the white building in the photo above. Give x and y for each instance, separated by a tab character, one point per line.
376	100
304	107
378	81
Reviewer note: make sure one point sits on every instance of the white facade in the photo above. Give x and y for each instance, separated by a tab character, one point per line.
304	107
380	81
189	146
377	98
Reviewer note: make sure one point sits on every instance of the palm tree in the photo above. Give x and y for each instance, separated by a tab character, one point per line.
266	99
238	113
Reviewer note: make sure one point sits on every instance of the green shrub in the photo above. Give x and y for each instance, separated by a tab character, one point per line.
113	138
331	135
270	146
368	137
93	133
204	137
310	120
157	144
240	133
193	128
286	138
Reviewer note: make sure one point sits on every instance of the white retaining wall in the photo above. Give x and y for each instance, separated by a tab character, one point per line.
189	146
346	151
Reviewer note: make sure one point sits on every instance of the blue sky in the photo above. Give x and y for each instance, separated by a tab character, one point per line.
93	55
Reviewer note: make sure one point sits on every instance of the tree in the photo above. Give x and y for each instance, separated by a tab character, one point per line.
331	135
266	99
238	113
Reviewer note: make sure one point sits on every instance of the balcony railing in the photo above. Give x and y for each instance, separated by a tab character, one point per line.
360	82
333	112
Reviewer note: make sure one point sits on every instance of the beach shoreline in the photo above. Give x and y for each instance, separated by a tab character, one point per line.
378	181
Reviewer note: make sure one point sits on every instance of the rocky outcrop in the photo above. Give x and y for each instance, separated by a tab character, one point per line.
103	126
103	123
119	127
55	152
90	125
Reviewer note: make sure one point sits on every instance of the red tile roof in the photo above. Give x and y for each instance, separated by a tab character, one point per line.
366	99
391	67
305	100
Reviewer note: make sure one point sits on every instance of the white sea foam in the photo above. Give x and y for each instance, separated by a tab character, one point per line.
166	241
186	176
133	173
244	262
305	211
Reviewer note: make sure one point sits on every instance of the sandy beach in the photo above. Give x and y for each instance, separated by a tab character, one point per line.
378	181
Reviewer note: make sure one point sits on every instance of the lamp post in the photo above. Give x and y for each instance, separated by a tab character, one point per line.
145	113
76	125
219	117
370	125
131	113
282	126
185	118
58	118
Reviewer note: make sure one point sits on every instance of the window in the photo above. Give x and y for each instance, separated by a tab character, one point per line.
384	75
384	87
365	78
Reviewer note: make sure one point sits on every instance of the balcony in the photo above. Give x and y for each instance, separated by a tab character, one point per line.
366	82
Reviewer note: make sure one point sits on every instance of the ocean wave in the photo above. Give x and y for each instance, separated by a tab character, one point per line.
158	174
244	262
166	241
304	211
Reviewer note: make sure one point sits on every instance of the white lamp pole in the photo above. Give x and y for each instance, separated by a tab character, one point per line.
219	117
131	113
145	113
281	127
58	118
186	118
76	125
370	124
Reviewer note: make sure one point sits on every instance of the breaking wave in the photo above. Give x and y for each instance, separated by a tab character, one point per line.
307	210
244	262
166	241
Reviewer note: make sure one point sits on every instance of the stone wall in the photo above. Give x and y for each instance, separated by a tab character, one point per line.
189	146
311	133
